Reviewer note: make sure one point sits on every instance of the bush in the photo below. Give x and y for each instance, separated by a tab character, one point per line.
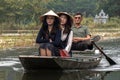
113	22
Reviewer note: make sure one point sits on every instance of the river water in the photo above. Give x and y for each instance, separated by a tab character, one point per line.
11	68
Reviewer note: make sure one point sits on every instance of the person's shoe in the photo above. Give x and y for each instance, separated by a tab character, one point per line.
95	38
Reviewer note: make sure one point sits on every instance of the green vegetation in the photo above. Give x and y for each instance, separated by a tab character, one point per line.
110	6
113	22
24	14
21	18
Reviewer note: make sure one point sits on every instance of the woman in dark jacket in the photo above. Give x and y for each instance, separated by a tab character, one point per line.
49	36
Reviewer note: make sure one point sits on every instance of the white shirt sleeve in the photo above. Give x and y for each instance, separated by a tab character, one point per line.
69	43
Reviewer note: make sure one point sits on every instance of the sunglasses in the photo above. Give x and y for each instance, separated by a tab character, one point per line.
77	17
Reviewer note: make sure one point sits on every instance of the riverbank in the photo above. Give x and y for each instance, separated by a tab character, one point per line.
26	38
17	40
106	33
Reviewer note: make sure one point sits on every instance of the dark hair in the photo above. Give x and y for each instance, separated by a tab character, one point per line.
68	24
78	13
56	25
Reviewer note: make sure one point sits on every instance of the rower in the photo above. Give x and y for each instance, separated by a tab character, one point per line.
81	35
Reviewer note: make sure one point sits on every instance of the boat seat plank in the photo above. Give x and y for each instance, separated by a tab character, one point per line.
84	52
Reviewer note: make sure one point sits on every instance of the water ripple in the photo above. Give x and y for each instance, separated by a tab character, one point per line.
8	63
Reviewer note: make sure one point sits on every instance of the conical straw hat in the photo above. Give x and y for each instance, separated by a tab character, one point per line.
49	13
65	13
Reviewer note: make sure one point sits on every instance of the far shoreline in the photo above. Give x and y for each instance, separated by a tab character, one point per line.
26	38
32	43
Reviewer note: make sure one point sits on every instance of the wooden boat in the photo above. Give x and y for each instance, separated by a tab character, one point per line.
33	62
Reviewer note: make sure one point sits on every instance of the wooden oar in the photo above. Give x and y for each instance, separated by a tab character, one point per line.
111	62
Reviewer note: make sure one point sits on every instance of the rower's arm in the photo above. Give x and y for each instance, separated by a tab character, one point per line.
81	39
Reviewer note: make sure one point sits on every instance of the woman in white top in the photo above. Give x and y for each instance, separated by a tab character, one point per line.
67	33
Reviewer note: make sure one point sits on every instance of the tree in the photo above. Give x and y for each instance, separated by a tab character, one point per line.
72	6
112	7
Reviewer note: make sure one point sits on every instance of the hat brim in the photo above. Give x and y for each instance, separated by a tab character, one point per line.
49	13
65	13
43	17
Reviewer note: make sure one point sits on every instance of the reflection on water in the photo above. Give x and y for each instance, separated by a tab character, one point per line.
43	75
71	75
7	73
66	75
11	68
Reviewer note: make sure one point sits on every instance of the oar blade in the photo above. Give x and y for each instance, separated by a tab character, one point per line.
111	62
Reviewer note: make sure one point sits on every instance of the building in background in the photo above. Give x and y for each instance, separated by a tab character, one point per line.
101	18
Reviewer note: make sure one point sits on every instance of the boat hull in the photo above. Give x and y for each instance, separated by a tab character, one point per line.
31	62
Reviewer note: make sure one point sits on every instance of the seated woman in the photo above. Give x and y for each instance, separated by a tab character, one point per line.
67	33
49	36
